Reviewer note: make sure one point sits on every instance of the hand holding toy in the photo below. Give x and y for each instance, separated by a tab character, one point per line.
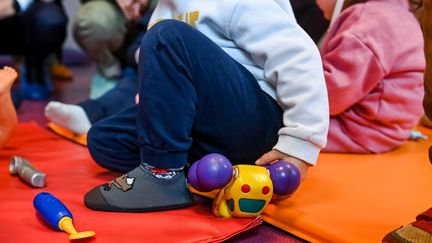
285	177
26	171
57	215
241	190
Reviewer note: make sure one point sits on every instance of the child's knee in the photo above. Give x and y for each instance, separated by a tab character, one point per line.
98	149
100	21
167	30
95	145
107	152
169	24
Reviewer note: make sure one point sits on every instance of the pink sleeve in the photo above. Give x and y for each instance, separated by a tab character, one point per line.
351	71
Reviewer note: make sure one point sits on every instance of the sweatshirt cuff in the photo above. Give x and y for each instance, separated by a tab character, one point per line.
24	4
298	148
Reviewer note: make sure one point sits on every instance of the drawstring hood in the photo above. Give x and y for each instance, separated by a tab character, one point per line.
337	10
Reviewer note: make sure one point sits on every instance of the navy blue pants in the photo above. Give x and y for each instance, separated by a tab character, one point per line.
194	100
117	99
36	33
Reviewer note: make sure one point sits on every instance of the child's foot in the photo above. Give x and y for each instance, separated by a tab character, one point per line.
8	117
72	117
8	76
141	190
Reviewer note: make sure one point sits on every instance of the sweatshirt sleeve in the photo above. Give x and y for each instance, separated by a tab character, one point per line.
351	71
292	64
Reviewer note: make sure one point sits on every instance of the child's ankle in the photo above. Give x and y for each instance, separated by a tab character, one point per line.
161	173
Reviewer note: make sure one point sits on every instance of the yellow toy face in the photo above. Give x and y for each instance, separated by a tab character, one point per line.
247	194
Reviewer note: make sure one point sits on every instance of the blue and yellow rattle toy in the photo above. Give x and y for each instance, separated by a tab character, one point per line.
242	190
57	215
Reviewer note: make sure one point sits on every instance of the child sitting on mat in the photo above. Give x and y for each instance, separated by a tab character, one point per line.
235	77
373	64
8	116
79	117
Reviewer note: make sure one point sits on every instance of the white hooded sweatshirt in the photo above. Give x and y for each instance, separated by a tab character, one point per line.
265	38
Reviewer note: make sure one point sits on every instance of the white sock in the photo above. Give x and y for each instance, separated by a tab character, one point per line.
72	117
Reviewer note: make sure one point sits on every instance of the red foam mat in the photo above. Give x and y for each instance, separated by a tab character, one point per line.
70	174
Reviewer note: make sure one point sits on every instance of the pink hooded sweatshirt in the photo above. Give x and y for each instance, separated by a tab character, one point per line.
373	62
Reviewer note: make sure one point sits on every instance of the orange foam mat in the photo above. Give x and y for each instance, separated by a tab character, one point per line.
70	174
358	198
68	134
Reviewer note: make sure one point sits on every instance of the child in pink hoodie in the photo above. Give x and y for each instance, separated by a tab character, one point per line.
373	62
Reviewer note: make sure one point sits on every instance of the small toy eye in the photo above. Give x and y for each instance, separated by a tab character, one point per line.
245	188
265	190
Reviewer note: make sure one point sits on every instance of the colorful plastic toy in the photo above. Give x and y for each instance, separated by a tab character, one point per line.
55	213
25	170
242	190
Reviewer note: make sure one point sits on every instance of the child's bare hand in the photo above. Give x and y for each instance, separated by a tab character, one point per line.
275	155
136	98
6	9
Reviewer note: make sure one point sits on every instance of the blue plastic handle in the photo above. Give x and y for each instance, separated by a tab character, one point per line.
51	209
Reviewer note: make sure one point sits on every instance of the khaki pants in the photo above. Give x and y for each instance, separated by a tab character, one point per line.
100	28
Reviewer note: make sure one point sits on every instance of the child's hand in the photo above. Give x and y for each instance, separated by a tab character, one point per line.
274	155
6	9
136	98
137	52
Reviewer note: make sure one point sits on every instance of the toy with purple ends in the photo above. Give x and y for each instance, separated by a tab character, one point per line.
210	172
214	171
242	190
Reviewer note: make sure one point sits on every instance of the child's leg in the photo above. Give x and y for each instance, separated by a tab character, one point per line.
194	100
340	139
100	28
211	103
8	117
72	117
113	142
45	25
45	32
119	98
79	118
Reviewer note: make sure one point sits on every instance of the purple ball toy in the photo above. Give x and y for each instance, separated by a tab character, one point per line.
193	179
285	177
213	171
